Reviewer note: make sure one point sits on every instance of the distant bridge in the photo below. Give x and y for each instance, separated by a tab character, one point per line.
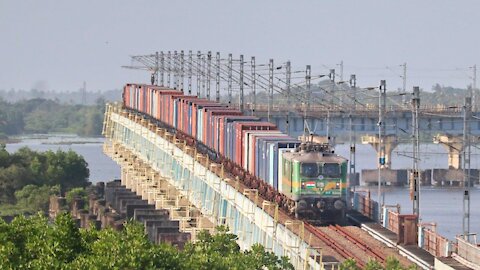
433	119
325	101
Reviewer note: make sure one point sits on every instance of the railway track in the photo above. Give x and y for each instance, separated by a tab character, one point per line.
350	247
372	253
330	241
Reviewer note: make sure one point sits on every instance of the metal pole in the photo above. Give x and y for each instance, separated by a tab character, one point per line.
415	179
352	139
175	70
474	88
404	77
182	70
254	86
341	70
466	167
341	79
162	69
288	77
209	68
308	77
217	78
270	89
199	68
190	71
169	63
203	73
381	146
157	67
332	79
240	82
230	68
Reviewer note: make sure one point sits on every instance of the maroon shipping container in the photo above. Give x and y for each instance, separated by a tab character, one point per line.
182	117
163	95
248	143
213	125
203	119
188	124
240	127
200	102
223	129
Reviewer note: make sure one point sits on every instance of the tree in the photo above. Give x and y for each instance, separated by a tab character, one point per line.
79	192
391	263
34	243
34	198
4	156
64	170
221	251
349	264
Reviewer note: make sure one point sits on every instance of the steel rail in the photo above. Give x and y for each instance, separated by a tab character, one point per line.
331	242
367	249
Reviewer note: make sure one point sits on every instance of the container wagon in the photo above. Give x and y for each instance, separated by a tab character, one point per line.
307	180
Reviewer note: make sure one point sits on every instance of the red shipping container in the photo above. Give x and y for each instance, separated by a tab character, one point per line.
223	129
206	108
240	127
249	142
195	114
213	125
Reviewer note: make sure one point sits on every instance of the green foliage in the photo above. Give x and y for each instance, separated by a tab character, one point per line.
374	265
35	198
28	178
220	251
349	264
79	192
391	263
45	116
33	243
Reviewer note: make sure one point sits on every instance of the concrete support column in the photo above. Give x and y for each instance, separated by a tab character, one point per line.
390	142
454	145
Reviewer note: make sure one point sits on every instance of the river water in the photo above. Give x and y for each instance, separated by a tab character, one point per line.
441	205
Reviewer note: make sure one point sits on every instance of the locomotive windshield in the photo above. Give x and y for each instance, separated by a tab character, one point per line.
331	170
310	170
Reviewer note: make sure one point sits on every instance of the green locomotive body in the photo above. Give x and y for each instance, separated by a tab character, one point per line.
315	178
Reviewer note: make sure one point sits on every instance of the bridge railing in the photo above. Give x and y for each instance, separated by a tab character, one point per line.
392	221
437	108
468	251
433	242
365	205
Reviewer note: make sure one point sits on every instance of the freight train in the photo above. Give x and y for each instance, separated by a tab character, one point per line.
307	180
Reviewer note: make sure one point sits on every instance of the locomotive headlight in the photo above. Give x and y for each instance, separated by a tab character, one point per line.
338	204
337	184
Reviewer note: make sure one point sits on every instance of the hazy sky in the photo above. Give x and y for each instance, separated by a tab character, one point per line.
59	44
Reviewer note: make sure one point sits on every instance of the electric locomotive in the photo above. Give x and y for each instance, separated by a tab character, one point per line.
315	178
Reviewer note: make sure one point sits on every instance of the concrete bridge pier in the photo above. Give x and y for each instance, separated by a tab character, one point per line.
391	177
453	176
390	142
454	145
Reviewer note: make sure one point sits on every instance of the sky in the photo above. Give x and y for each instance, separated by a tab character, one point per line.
56	45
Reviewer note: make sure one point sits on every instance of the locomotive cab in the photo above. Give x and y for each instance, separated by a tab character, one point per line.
315	178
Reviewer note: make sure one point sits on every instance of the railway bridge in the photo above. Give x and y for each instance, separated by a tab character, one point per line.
170	174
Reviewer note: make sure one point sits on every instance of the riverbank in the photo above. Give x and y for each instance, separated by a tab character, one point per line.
101	167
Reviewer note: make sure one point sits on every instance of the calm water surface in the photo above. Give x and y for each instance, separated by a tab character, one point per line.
437	204
441	205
